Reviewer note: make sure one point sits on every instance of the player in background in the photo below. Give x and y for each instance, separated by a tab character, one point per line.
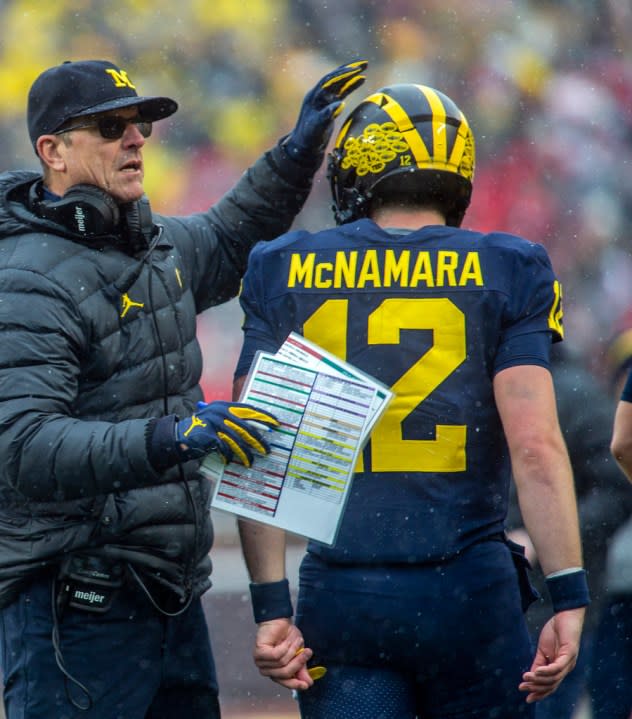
417	609
604	504
610	670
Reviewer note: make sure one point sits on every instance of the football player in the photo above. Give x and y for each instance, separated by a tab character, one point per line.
417	609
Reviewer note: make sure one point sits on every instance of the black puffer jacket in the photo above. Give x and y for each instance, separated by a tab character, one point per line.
95	343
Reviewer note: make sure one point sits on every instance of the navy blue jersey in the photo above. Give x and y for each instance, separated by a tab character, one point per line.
434	314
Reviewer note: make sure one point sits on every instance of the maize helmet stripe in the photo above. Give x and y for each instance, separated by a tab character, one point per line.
461	143
404	124
403	142
439	134
342	135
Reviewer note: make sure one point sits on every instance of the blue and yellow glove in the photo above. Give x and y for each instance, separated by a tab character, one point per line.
226	428
320	106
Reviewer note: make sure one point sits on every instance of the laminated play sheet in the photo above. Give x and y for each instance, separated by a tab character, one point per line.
327	409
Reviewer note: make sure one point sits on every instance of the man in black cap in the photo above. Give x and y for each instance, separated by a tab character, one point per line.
104	522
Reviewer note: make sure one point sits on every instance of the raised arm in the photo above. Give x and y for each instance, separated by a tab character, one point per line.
266	199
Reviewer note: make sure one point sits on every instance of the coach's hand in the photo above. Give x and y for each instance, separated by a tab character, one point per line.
321	105
226	428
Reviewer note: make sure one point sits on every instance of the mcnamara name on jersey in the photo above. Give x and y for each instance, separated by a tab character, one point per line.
435	314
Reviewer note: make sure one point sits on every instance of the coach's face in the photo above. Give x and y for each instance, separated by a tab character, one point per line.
88	151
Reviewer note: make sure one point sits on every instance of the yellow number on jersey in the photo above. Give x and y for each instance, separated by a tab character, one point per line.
390	452
557	313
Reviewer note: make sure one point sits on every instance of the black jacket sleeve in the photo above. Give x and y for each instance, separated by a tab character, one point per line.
262	205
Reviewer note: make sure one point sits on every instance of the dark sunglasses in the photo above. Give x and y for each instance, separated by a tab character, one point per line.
111	127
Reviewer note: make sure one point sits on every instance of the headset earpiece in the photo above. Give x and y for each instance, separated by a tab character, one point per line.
139	225
84	210
90	212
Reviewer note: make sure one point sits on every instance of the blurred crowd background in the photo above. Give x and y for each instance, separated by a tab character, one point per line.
546	85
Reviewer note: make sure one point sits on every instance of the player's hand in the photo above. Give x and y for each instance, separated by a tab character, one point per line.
556	654
280	654
226	428
321	105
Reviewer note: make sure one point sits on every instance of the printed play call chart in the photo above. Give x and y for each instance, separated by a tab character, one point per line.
326	408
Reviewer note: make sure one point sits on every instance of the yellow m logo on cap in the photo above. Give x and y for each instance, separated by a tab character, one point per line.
120	78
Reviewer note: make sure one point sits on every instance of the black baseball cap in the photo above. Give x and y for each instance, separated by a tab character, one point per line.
75	89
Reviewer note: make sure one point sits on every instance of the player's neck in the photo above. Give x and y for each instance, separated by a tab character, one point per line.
407	218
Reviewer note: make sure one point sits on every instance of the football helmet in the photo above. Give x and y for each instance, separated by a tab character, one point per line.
403	140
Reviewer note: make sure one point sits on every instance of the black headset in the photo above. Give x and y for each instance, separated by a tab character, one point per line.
89	212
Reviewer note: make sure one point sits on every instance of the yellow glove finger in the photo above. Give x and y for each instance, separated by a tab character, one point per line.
254	414
346	71
351	85
339	109
359	64
342	78
236	449
351	68
248	438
